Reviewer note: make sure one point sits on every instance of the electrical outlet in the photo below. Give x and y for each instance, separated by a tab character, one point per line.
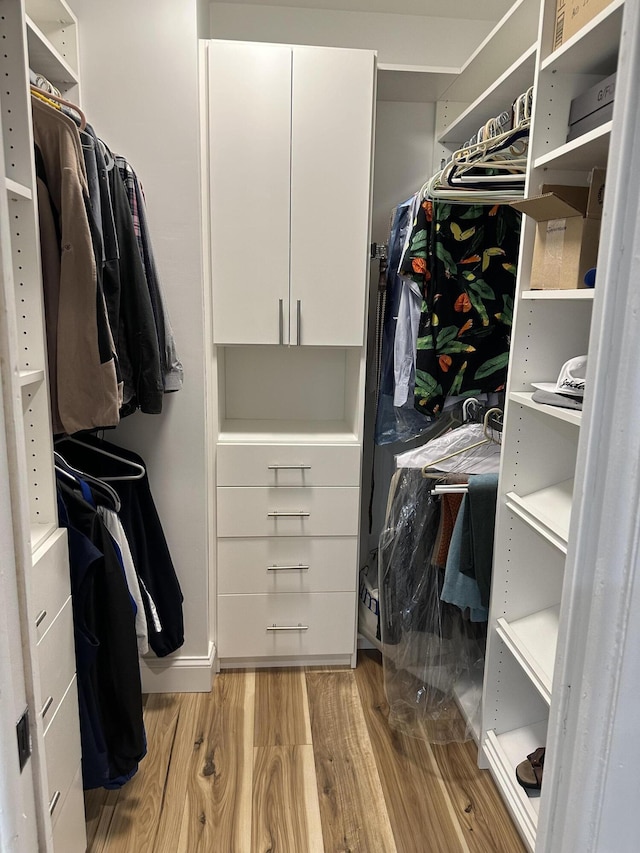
24	738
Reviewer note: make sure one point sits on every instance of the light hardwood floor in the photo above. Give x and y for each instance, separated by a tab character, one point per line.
296	761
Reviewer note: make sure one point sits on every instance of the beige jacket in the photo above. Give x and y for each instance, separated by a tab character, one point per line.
84	387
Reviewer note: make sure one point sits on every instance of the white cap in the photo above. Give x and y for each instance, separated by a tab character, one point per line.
572	376
570	382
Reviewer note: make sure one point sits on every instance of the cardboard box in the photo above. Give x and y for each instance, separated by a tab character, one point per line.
567	233
572	15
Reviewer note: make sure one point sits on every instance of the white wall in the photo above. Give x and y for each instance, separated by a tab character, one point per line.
403	157
399	39
140	91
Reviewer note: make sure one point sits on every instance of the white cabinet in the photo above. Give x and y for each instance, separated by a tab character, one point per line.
287	154
290	136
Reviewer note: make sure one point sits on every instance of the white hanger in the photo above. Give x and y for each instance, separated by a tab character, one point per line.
489	438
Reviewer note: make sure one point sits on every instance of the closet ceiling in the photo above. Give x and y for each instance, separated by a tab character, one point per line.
487	10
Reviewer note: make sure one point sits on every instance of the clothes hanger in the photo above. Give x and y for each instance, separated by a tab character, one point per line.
489	438
139	469
63	467
83	119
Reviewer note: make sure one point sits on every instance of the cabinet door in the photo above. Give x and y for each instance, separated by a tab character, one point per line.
332	118
249	142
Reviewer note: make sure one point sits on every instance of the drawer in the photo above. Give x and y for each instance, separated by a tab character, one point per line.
288	512
69	831
312	624
288	465
50	586
62	748
56	662
287	564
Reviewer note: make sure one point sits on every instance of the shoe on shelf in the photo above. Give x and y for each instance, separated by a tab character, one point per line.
529	771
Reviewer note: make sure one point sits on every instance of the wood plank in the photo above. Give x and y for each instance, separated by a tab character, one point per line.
102	805
479	808
136	815
281	716
419	811
352	808
280	818
208	793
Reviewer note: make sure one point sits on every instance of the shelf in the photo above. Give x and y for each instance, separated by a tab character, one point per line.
533	641
50	10
570	416
508	40
548	511
16	191
287	432
468	696
593	49
30	377
498	97
45	59
581	154
582	293
504	752
413	83
40	533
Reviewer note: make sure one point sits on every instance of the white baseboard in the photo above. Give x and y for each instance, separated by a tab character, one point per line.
267	663
186	674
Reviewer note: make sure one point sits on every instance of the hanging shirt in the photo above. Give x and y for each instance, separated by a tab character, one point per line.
465	258
82	369
114	526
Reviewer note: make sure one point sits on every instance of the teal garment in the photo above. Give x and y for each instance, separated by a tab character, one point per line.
483	496
458	589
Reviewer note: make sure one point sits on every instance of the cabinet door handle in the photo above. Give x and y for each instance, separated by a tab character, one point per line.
298	323
40	618
54	802
288	514
289	467
46	706
287	627
299	568
280	321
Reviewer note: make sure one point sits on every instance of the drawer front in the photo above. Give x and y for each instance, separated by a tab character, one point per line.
56	661
51	585
62	749
69	832
288	465
288	512
315	624
287	564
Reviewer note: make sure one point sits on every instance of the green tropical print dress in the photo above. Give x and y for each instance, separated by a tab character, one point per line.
465	258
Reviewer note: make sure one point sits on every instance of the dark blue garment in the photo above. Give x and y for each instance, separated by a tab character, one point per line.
393	423
110	695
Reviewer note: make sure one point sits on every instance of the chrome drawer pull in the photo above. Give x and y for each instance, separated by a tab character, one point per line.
298	323
288	514
54	802
299	568
40	618
46	706
287	627
280	322
289	467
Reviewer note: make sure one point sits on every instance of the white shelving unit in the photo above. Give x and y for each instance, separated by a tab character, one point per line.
536	497
42	36
500	69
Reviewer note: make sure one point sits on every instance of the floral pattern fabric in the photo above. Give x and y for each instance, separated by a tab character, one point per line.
465	258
